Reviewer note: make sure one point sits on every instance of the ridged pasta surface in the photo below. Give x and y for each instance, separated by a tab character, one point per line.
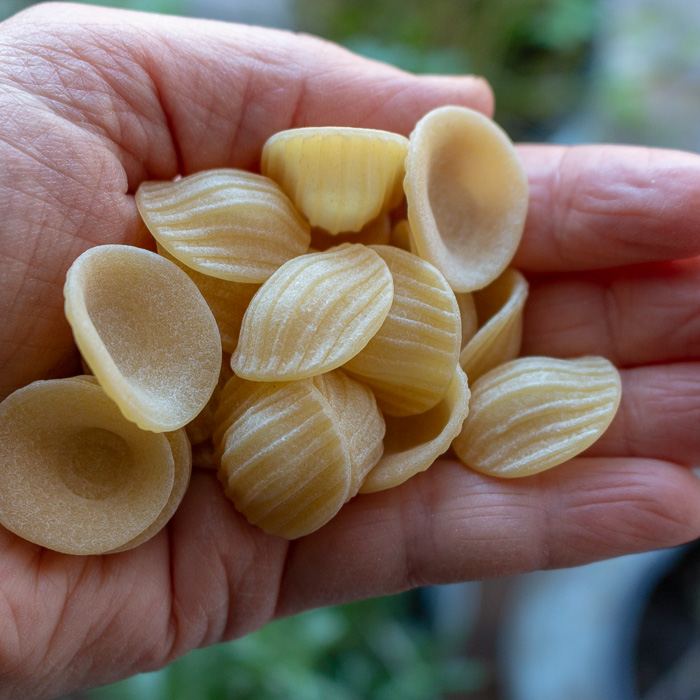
533	413
284	462
410	361
339	178
314	314
225	223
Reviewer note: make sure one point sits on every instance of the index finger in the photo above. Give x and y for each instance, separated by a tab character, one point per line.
594	207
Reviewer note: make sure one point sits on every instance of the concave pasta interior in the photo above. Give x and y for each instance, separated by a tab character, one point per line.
467	196
77	477
146	333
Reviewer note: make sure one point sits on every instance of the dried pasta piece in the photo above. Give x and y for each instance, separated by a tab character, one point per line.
409	363
467	196
227	300
146	333
284	462
413	443
314	314
182	458
376	232
78	477
359	421
339	178
499	308
533	413
225	223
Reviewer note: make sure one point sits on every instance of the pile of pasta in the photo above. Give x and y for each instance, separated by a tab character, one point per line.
325	328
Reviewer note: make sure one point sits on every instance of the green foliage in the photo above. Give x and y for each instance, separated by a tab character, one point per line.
372	649
533	52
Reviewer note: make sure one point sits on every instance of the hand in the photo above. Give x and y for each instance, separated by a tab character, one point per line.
95	101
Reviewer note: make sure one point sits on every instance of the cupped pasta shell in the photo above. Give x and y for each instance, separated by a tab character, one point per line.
467	196
413	443
77	477
285	464
533	413
339	178
499	308
314	314
225	223
410	361
226	300
146	333
182	457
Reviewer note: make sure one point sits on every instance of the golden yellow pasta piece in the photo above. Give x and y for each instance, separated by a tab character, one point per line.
359	422
286	460
339	178
146	333
410	361
182	457
499	308
467	196
413	443
78	477
376	232
533	413
227	300
314	314
225	223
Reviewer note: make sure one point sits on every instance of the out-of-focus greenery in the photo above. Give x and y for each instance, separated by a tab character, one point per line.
11	7
533	52
373	649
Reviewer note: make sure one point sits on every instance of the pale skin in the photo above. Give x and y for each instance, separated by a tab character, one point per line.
94	101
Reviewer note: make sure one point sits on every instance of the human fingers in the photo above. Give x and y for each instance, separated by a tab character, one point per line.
632	316
594	207
450	524
181	95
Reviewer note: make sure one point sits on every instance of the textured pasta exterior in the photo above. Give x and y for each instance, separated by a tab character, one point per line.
410	361
314	314
533	413
225	223
339	178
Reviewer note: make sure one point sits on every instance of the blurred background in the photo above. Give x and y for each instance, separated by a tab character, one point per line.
566	71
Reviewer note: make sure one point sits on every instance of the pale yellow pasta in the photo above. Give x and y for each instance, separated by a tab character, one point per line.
413	443
467	196
339	178
182	457
225	223
146	333
78	477
377	231
284	461
499	308
410	361
227	300
533	413
359	422
314	314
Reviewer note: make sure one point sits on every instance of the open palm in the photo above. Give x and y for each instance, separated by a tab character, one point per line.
95	101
